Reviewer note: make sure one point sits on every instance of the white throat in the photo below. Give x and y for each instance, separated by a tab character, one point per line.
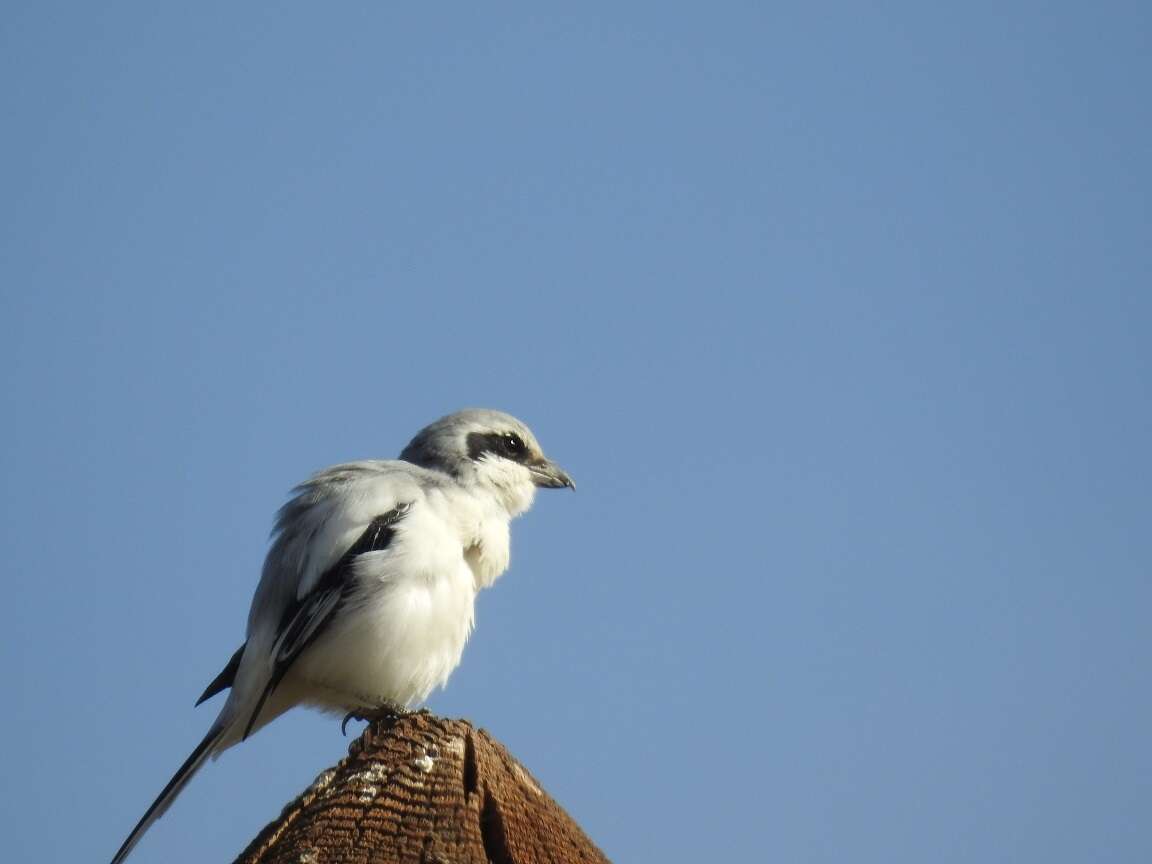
508	483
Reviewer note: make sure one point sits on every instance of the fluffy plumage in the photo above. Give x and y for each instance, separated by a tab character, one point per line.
366	597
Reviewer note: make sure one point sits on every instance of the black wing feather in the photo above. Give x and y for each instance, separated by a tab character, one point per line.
225	679
307	618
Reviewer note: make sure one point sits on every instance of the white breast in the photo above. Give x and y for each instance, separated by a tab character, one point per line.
404	632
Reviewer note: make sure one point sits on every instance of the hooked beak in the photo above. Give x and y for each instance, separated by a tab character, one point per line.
549	475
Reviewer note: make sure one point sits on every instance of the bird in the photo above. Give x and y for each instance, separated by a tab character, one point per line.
367	593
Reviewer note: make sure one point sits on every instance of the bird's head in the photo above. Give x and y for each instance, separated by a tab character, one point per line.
491	449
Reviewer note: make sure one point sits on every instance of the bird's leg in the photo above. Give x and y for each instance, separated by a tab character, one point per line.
385	711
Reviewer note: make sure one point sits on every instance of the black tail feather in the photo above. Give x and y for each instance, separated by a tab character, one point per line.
169	793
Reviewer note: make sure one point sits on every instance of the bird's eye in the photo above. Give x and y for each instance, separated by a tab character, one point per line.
512	444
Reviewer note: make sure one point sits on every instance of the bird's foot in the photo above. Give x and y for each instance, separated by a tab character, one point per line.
381	712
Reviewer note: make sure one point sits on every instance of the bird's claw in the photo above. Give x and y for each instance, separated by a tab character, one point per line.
380	712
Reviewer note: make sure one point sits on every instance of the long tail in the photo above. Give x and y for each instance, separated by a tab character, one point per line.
175	786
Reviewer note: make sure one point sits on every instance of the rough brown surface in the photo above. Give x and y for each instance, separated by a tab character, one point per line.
421	788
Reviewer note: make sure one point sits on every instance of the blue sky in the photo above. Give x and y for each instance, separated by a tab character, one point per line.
838	313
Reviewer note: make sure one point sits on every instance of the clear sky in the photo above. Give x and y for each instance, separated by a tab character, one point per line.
838	313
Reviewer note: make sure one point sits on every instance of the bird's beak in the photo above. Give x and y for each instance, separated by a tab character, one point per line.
550	475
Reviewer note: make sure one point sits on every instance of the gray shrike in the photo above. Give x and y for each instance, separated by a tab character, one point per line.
367	593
